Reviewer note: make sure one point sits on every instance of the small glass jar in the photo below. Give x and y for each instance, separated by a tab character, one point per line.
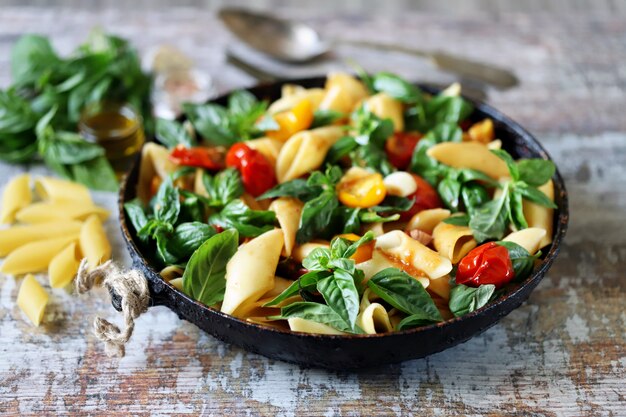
117	127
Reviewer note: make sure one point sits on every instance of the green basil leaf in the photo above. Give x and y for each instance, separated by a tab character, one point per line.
352	248
31	56
295	188
167	202
535	172
317	215
404	293
307	281
212	122
393	203
249	223
324	117
449	190
415	320
96	174
172	133
473	196
534	195
460	220
523	262
136	214
341	295
516	214
464	299
319	313
510	163
467	175
396	87
317	260
242	102
348	218
490	220
341	149
188	237
70	148
162	237
373	217
204	278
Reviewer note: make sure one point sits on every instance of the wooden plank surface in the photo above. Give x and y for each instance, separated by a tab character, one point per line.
563	353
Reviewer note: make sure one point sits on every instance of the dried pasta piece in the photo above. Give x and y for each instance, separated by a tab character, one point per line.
63	267
34	256
250	272
530	238
154	162
65	210
343	92
297	324
540	216
94	244
453	242
426	220
16	236
32	299
55	189
288	212
305	152
470	155
15	197
387	107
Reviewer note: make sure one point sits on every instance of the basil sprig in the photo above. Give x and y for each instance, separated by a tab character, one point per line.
172	133
464	299
335	276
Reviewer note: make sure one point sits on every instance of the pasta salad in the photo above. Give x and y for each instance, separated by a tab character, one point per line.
366	206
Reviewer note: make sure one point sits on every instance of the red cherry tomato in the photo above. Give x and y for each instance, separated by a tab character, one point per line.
257	174
487	264
399	148
425	198
209	158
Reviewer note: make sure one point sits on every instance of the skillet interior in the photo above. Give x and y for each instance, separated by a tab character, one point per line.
353	351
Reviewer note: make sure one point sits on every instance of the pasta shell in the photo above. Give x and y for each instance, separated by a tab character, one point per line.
453	242
288	212
470	155
530	238
426	220
154	161
387	107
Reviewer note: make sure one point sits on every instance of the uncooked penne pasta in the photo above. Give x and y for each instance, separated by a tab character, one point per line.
453	242
426	220
305	151
15	197
32	299
55	189
34	256
66	210
16	236
387	107
94	244
63	267
539	216
530	238
250	272
343	92
470	155
297	324
288	212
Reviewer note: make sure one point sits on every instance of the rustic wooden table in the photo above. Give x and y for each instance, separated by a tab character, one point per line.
562	353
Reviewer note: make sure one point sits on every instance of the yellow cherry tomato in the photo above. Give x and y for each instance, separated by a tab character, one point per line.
292	121
359	188
364	252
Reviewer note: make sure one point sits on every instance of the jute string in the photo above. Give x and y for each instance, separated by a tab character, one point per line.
131	286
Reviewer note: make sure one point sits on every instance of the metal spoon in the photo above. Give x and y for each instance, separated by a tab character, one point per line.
298	43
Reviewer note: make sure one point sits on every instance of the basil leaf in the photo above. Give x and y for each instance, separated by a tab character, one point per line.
316	216
204	277
319	313
351	250
323	117
223	187
535	172
241	102
450	189
534	195
415	320
393	203
188	237
460	220
510	163
340	293
341	149
167	202
295	188
31	56
171	133
307	281
516	214
317	260
473	196
426	115
464	299
162	236
490	220
404	293
70	148
523	262
249	223
348	219
136	214
467	175
396	87
212	122
423	164
372	217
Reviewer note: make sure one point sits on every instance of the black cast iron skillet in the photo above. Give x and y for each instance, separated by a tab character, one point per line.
353	351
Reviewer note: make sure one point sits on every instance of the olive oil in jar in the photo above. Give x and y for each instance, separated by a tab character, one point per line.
117	127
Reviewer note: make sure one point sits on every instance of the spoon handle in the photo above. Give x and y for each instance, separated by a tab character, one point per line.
478	71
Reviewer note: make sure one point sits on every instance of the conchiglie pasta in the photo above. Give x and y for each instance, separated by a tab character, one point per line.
453	242
63	267
287	102
343	92
54	189
250	272
288	212
530	238
380	261
270	148
305	152
16	236
426	220
34	256
297	324
300	252
387	107
94	244
539	216
32	299
154	162
15	197
65	210
470	155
